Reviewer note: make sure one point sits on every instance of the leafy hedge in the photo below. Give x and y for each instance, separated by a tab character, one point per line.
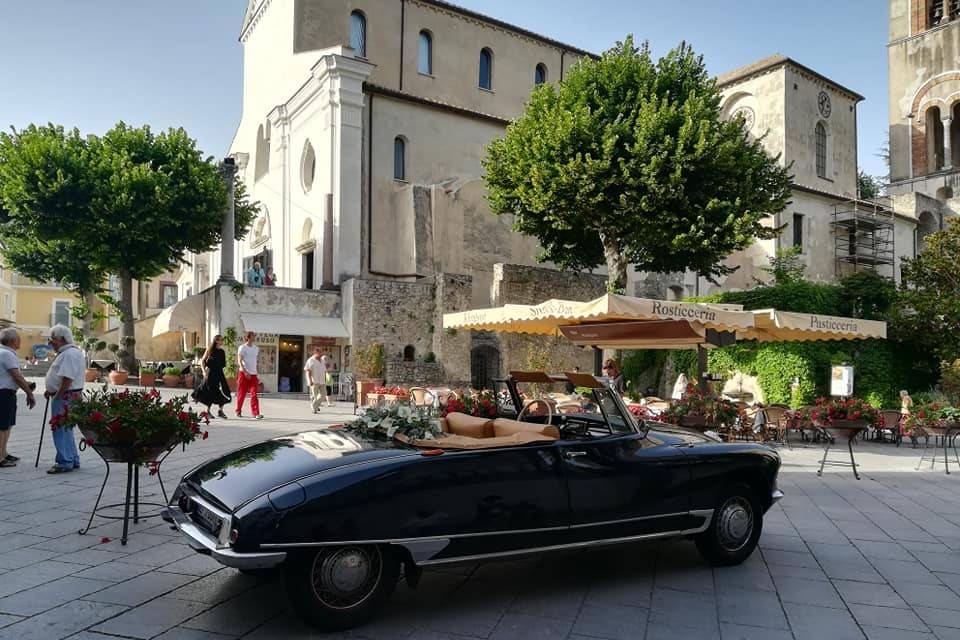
882	367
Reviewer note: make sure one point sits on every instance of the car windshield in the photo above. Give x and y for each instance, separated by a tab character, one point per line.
564	398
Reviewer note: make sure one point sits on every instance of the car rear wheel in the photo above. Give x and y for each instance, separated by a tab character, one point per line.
735	528
341	587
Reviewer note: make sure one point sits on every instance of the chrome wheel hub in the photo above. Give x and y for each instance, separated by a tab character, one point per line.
345	577
735	523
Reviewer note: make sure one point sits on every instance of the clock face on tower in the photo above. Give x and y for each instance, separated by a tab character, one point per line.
748	117
823	103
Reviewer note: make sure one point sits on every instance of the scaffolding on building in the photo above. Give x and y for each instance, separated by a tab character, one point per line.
863	232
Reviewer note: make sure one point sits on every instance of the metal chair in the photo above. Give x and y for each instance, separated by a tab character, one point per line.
891	423
346	387
422	397
776	422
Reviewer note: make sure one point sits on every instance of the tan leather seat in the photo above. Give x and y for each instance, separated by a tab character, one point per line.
503	427
461	424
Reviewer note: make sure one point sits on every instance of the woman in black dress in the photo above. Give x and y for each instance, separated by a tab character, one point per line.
214	390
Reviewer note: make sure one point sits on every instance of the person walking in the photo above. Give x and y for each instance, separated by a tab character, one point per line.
64	381
214	390
316	368
679	387
10	380
256	275
247	380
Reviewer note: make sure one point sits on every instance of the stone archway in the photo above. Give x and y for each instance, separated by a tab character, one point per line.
928	223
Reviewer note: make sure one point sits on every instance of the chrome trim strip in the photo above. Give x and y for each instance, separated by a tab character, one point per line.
701	513
574	545
776	496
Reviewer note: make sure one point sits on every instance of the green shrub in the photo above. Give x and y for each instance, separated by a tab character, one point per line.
171	371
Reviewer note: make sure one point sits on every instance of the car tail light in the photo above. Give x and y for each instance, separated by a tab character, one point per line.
234	536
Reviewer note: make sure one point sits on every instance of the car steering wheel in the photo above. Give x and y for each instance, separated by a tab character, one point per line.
526	409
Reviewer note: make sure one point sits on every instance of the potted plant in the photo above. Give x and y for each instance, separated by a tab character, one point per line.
147	378
90	348
171	377
118	376
701	411
922	421
844	419
132	426
368	363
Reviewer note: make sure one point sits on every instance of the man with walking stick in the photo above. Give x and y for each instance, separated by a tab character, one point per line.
10	380
63	382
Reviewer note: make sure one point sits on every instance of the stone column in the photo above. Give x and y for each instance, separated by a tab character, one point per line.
228	170
947	155
327	244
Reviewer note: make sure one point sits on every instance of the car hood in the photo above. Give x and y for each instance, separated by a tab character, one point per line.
672	434
242	475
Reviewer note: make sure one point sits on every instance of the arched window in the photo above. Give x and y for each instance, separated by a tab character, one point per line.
821	137
308	167
262	160
358	33
409	353
934	127
399	158
540	74
425	56
486	69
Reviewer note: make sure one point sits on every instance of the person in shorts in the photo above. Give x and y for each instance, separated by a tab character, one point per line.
10	380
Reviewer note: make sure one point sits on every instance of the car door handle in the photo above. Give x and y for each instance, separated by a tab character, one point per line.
570	455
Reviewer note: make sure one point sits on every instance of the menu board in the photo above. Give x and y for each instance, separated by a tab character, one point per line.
267	359
841	381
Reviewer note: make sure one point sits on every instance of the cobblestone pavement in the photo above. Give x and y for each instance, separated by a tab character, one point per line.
879	558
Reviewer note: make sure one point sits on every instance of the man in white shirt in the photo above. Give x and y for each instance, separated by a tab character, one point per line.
64	381
10	380
316	368
247	380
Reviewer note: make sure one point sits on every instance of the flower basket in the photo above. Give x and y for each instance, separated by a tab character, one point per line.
118	377
364	387
133	427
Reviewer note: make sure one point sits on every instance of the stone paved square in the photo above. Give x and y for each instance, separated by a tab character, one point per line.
876	559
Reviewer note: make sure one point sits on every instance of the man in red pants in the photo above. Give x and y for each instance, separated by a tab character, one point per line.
247	375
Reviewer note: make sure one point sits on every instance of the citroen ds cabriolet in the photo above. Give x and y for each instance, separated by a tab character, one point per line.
346	514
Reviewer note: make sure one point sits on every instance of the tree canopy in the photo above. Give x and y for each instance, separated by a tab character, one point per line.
129	203
929	309
628	161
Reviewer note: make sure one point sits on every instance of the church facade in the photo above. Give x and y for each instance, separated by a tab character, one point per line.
363	130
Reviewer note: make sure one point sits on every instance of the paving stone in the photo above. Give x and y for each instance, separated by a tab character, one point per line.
938	617
517	626
883	633
887	617
929	595
790	558
857	571
193	564
749	607
6	620
549	602
23	557
217	587
693	580
869	593
742	632
816	623
60	622
942	562
33	575
141	588
681	609
47	596
243	613
813	592
611	622
634	592
661	631
114	571
183	633
805	573
151	619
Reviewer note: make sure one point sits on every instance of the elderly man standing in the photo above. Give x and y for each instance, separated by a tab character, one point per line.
10	380
64	381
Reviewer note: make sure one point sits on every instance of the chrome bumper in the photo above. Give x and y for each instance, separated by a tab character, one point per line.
203	542
776	496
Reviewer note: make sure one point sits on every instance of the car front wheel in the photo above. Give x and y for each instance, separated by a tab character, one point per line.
735	528
338	588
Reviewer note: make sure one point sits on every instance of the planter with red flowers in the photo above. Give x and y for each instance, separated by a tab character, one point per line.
133	428
845	419
482	404
703	412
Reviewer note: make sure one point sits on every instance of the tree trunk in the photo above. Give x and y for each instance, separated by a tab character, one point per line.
616	265
87	323
127	328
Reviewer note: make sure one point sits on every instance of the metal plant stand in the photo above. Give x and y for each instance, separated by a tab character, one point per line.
949	435
114	455
848	430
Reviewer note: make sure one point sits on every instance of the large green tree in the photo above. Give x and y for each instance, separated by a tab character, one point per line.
929	302
129	203
628	161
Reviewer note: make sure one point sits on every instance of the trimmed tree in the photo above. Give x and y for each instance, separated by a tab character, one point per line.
129	203
929	302
628	161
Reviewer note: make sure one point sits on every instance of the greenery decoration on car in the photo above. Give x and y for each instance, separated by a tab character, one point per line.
388	421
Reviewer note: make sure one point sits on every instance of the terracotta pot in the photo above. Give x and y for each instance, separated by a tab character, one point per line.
118	377
90	375
188	381
844	430
148	379
232	383
171	381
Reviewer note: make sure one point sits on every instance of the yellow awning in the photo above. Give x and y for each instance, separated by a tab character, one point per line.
547	317
185	315
771	325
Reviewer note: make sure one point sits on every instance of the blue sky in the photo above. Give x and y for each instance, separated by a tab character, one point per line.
178	62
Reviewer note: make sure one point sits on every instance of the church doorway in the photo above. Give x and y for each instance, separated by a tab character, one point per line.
484	366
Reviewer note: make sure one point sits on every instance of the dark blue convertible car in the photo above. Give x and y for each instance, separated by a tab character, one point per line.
346	515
